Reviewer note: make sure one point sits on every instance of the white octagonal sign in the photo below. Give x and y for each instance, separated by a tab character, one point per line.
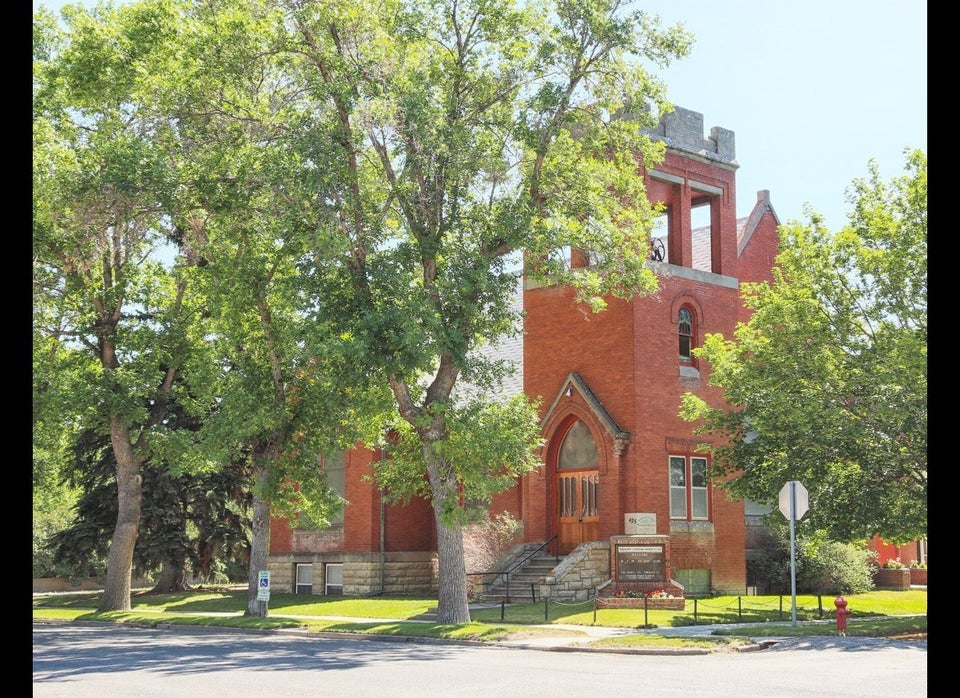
800	501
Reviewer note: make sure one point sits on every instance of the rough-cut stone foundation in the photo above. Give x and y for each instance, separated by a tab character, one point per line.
579	575
363	573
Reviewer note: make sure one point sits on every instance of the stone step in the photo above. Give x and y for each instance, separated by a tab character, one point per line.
524	582
539	568
497	599
528	588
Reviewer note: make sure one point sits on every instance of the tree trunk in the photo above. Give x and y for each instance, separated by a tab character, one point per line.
452	605
173	577
259	546
116	588
205	551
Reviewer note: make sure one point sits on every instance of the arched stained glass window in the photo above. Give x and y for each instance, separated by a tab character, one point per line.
685	333
578	450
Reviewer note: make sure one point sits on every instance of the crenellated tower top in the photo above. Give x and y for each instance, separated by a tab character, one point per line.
682	129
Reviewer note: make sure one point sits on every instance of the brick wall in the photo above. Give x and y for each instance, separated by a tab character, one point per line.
405	527
628	357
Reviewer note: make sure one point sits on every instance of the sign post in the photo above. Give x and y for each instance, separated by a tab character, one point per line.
793	505
263	589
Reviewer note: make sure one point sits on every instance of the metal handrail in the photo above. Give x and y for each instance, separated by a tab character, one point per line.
506	573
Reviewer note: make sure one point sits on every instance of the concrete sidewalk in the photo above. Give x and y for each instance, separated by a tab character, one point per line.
556	637
568	637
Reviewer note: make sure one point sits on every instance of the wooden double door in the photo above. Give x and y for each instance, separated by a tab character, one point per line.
578	495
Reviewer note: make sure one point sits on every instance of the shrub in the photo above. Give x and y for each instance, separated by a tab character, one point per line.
768	563
837	568
486	542
822	567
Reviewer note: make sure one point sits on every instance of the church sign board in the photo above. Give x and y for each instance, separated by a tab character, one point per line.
640	563
643	559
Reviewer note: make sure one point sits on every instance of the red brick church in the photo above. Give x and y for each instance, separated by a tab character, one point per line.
618	461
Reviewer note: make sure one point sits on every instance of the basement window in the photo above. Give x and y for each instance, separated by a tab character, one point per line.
333	579
304	583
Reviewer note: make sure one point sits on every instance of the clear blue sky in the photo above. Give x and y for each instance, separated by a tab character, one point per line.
812	89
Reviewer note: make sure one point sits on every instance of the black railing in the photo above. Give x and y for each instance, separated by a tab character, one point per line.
497	575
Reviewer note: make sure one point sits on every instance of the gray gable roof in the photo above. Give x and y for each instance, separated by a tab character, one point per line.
506	348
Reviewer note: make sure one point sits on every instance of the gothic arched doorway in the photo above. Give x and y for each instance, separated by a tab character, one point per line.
578	487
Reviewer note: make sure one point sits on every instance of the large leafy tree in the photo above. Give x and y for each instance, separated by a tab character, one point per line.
401	153
113	325
241	124
827	381
195	85
453	135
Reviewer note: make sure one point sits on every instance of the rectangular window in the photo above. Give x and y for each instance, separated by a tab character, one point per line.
678	487
334	468
685	348
333	579
304	583
689	489
698	489
695	582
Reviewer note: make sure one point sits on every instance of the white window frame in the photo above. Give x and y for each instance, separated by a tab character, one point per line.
699	493
333	579
677	474
689	488
303	578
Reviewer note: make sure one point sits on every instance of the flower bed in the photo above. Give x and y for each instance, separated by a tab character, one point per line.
895	579
643	595
918	576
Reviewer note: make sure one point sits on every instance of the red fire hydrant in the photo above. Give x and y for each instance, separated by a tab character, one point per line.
842	613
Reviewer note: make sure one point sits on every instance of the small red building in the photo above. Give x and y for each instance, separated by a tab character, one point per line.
618	459
908	554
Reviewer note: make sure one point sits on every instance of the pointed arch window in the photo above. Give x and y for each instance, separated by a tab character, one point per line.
685	327
578	450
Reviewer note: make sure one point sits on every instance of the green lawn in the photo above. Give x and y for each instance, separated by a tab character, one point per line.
719	609
877	613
